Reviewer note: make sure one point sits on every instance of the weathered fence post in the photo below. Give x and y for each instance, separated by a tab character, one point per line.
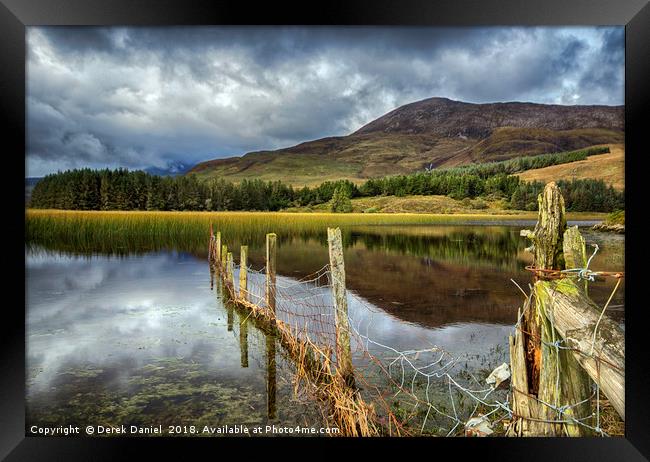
211	245
217	247
224	254
229	273
576	385
270	271
337	269
575	251
243	273
549	387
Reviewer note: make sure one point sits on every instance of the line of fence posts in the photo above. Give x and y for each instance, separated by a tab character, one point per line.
223	262
562	341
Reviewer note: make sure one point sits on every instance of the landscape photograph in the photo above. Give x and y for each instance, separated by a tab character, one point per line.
325	231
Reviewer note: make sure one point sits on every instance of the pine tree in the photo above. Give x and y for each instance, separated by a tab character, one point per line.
341	202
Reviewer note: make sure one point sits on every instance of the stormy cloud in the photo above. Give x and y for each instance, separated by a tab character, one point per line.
155	97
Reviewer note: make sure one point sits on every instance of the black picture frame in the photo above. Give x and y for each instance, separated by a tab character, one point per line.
15	15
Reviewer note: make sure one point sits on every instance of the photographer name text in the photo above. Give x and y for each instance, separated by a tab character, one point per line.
233	430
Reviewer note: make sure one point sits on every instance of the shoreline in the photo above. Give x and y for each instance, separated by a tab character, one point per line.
486	215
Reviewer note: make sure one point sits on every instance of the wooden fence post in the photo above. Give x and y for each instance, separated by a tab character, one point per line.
270	271
337	269
597	343
224	254
575	251
545	377
576	385
229	273
243	273
217	247
211	245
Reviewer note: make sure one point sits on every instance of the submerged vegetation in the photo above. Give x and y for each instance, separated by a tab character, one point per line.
121	189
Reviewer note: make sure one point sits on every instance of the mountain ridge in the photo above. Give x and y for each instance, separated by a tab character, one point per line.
434	132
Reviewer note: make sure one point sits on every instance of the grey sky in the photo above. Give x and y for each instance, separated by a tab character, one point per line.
142	97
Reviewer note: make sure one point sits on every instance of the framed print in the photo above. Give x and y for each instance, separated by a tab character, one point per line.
397	223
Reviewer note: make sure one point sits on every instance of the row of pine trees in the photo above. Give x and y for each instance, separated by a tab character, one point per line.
86	189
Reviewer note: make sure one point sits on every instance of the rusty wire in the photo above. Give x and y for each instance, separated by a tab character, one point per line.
304	310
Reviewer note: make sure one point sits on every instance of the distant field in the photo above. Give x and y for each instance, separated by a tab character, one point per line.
608	167
441	206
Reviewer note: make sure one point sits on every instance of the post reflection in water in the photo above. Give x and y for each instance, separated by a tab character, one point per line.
243	341
270	377
230	314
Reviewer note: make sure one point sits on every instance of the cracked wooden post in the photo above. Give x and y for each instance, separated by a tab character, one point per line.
576	385
337	269
270	271
597	344
575	252
545	377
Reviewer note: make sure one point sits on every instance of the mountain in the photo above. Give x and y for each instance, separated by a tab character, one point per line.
435	132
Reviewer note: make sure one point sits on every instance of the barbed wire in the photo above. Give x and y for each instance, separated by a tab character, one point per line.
305	306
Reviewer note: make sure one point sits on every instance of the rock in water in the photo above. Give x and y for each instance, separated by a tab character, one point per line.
499	375
478	426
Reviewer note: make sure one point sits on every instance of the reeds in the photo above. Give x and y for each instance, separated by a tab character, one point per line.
133	231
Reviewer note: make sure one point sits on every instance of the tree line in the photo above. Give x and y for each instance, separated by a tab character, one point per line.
121	189
521	164
86	189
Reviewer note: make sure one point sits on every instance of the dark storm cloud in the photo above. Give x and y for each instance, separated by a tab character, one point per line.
139	97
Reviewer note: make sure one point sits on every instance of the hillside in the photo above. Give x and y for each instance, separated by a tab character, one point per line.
607	167
439	205
434	132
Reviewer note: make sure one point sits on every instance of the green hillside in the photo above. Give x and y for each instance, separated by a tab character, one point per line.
430	133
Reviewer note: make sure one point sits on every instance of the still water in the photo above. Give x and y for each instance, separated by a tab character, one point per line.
143	339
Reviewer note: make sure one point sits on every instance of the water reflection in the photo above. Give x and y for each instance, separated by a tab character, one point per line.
271	374
146	339
143	340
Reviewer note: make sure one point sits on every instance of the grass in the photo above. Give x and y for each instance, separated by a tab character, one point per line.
442	206
124	232
616	218
358	157
355	157
607	167
290	168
